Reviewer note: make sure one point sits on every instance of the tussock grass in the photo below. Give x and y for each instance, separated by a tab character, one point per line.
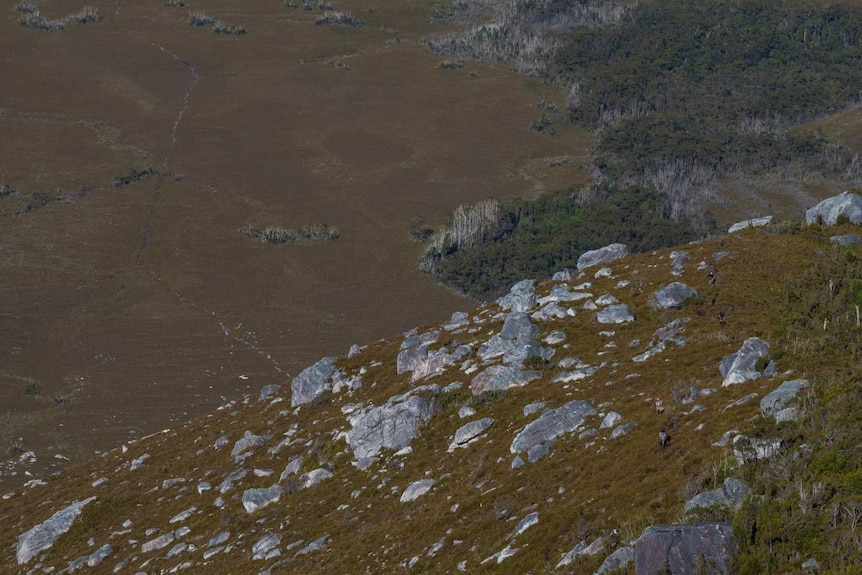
200	19
31	17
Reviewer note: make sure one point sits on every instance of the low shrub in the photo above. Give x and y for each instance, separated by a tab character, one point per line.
338	17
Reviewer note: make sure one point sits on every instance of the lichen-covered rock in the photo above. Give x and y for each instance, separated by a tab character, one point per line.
620	313
674	296
254	499
827	211
500	377
43	536
469	431
685	549
390	426
521	298
731	494
551	424
739	367
312	382
416	490
752	223
603	255
617	560
775	403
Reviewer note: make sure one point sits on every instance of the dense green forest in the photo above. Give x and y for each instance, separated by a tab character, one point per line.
682	97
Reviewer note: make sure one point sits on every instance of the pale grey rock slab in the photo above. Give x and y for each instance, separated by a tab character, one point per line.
417	489
576	374
741	400
846	240
551	424
828	210
613	314
604	273
315	545
159	542
466	411
501	377
534	408
458	319
602	255
621	430
469	431
674	296
219	539
553	311
610	420
265	545
752	223
247	442
564	275
230	480
268	391
562	293
355	350
521	298
99	555
312	382
255	499
314	477
45	534
747	449
606	300
293	466
390	426
776	400
739	367
518	326
183	515
731	494
523	350
526	523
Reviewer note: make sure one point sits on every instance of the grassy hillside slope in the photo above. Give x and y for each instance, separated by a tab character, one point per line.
785	283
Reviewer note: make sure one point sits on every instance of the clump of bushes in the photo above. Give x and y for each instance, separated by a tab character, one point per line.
175	4
451	64
338	17
31	17
134	177
7	192
278	235
200	19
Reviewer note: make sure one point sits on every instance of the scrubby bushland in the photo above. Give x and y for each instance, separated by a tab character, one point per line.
808	497
684	95
486	248
279	235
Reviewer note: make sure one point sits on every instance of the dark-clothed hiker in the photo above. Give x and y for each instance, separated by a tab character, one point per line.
663	438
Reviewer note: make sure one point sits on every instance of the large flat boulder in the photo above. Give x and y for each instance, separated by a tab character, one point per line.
551	424
775	402
501	377
603	255
731	494
43	536
522	297
827	211
390	426
685	549
752	223
619	313
312	382
674	296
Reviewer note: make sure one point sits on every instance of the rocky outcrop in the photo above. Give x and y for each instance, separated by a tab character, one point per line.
617	560
551	424
469	432
254	499
500	377
674	296
417	489
521	298
846	240
828	211
390	426
775	403
603	255
44	535
620	313
312	382
739	367
685	549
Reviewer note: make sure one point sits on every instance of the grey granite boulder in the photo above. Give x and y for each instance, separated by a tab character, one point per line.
422	362
551	424
500	377
752	223
731	494
551	311
43	536
617	560
458	319
268	390
846	240
775	403
523	350
674	296
563	275
390	426
254	499
466	433
685	549
603	255
748	449
739	367
844	204
678	261
517	325
522	297
265	545
416	490
620	313
314	477
312	382
248	441
560	292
